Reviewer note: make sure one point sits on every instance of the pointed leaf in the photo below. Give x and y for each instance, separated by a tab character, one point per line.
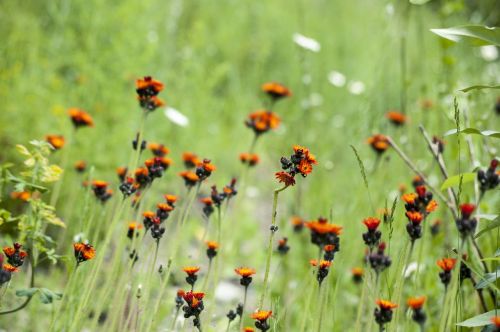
479	87
489	226
455	180
479	320
474	131
475	35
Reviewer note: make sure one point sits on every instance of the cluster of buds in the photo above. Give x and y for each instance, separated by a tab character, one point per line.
158	150
466	224
5	271
418	205
246	274
446	265
323	268
262	121
416	304
383	314
465	271
154	220
83	252
202	171
192	275
378	260
101	190
323	233
261	318
135	143
250	159
283	246
372	236
490	179
133	229
227	193
15	257
147	90
300	162
80	118
194	306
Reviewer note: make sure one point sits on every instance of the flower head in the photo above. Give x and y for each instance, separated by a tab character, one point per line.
379	143
190	178
212	247
416	302
159	150
300	162
191	270
83	252
371	223
467	209
57	141
21	195
447	264
147	90
261	318
80	166
15	256
190	159
262	121
396	118
205	169
133	228
276	90
80	118
245	271
251	159
385	304
357	274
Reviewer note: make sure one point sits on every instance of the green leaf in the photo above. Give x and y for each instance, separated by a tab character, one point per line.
474	131
455	180
419	2
47	296
479	320
487	216
488	279
489	226
29	292
474	35
479	87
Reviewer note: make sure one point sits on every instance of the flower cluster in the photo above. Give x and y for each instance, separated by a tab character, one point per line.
212	247
194	306
323	233
147	90
466	224
323	268
202	171
383	314
372	235
15	257
490	179
261	318
418	205
416	304
300	162
101	190
83	252
262	121
250	159
379	143
154	220
446	265
378	260
80	118
246	275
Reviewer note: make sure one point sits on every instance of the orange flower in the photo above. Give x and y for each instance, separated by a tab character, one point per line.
329	247
245	271
190	178
432	206
206	200
80	166
378	142
10	268
409	198
262	121
276	90
414	217
371	223
21	195
261	315
297	223
122	173
357	272
286	178
164	207
171	199
83	252
385	304
321	226
57	141
416	302
496	321
99	184
212	245
190	159
467	209
248	329
251	159
396	118
158	150
133	227
447	264
148	86
322	263
191	270
80	118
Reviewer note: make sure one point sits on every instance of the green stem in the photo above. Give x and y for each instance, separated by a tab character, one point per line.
270	246
243	308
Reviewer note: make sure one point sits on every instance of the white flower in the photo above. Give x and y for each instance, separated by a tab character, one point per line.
176	117
337	79
410	268
489	53
306	42
356	87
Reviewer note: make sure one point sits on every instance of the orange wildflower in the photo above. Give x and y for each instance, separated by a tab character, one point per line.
385	304
262	121
371	223
57	141
83	252
397	118
191	270
416	302
245	271
447	264
276	90
379	143
21	195
80	118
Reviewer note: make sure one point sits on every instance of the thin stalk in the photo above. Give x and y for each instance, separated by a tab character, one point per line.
243	309
207	277
270	246
172	326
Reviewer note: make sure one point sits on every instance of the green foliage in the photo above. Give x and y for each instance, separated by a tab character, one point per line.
490	226
475	35
46	295
457	180
479	320
474	131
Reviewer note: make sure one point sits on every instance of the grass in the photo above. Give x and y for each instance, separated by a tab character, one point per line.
213	57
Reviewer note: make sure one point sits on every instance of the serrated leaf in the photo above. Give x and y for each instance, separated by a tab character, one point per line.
474	131
454	180
479	87
479	320
490	226
487	279
475	35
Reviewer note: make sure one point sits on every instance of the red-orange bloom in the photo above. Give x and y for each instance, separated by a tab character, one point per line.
396	118
431	207
10	268
357	271
164	207
251	159
276	90
329	247
149	85
409	198
416	302
322	263
171	199
467	209
378	142
261	315
191	270
80	118
286	178
80	166
248	329
57	141
321	226
212	245
158	150
496	321
447	264
21	195
414	217
262	121
190	159
371	223
385	304
190	178
245	271
83	251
